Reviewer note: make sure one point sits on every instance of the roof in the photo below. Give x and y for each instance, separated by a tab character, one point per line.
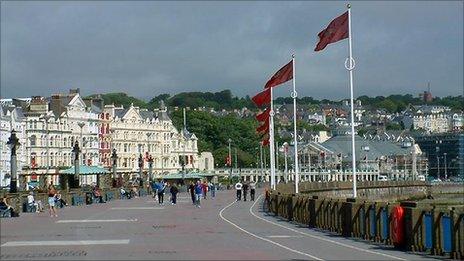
86	170
376	148
191	175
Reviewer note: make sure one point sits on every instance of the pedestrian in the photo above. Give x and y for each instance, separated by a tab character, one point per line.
59	201
238	187
191	189
245	190
51	200
198	191
213	190
204	187
161	188
5	209
174	190
252	190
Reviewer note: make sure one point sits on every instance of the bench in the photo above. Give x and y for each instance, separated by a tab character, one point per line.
29	208
5	213
77	200
142	192
109	195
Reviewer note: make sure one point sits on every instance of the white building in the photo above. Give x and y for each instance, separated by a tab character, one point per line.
11	118
138	132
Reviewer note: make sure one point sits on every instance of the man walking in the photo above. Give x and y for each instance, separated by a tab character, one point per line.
198	191
204	187
252	190
238	187
213	190
245	190
161	186
174	190
191	189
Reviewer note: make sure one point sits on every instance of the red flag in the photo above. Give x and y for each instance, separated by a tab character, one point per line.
264	127
262	98
265	142
337	30
228	160
263	115
284	74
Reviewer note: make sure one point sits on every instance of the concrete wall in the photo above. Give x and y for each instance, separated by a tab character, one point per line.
372	190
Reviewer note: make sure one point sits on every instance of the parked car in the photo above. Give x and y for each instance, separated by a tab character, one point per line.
383	178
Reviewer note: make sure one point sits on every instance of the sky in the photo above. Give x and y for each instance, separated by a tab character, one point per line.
148	48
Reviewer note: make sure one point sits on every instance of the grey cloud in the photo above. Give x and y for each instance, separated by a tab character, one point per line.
148	48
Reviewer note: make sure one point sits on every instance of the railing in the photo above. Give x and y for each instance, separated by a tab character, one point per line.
431	230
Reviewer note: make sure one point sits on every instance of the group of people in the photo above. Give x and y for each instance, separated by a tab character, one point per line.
242	188
200	190
159	190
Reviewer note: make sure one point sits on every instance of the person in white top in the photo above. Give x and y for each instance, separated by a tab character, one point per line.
31	203
238	187
252	190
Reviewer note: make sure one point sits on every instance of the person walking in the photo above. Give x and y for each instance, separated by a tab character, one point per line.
204	187
161	188
245	190
198	191
213	190
174	190
51	200
238	187
191	189
252	190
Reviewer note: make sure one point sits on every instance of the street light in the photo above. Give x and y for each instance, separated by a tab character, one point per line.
13	143
446	173
76	150
285	146
230	160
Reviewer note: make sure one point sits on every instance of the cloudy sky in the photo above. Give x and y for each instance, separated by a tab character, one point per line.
148	48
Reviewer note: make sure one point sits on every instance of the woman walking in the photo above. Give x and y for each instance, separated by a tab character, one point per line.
51	200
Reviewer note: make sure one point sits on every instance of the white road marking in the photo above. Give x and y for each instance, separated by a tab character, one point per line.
321	238
67	243
262	238
95	220
283	236
127	208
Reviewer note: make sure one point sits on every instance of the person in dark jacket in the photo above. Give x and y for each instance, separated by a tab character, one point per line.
174	190
191	189
245	190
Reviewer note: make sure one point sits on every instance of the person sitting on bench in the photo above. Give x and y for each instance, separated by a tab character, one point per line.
5	209
33	205
59	200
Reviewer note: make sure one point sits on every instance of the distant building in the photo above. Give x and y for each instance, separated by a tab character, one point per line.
444	150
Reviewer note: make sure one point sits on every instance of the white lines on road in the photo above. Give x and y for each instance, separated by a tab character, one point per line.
284	236
96	220
321	238
262	238
67	243
136	208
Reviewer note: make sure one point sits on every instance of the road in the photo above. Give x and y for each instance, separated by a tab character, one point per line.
140	229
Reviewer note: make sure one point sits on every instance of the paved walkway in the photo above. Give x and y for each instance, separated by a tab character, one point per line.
140	229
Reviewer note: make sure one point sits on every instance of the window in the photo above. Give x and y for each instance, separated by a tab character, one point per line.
33	140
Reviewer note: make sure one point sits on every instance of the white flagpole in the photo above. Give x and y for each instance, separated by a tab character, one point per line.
294	96
271	143
350	68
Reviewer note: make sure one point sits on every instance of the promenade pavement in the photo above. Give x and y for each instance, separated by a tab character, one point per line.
141	229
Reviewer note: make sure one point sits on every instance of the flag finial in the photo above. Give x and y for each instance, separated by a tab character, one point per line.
348	6
293	55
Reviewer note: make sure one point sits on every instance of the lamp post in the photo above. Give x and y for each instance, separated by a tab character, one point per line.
230	161
81	125
76	150
150	167
114	158
13	143
141	170
46	117
446	172
285	145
